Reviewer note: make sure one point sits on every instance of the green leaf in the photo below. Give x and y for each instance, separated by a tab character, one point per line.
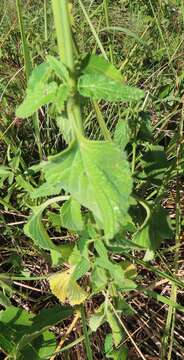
115	354
117	332
41	347
61	97
43	321
39	75
122	134
155	165
145	131
103	314
97	175
62	254
39	91
158	228
6	344
36	231
65	128
55	220
99	279
81	269
4	170
71	217
45	190
81	264
58	67
23	184
16	316
101	87
4	301
120	29
75	256
116	271
124	307
97	64
97	319
41	95
28	333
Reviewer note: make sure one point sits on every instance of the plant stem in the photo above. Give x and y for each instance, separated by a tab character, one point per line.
133	157
105	5
65	47
86	336
170	322
105	132
27	59
93	30
28	70
63	31
45	20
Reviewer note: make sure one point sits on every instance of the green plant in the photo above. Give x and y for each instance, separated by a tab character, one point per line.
92	192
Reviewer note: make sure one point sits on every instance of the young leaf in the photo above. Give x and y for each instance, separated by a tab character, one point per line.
39	75
99	279
36	231
101	87
58	67
97	175
61	96
71	216
97	64
41	95
66	289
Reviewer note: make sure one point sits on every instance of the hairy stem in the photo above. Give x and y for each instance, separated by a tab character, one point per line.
86	336
66	53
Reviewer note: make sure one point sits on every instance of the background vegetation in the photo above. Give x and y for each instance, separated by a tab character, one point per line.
144	39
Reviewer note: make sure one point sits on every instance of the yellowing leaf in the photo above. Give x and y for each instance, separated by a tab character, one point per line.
66	289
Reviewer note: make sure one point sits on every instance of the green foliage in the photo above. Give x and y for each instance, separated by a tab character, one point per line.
97	64
98	87
105	314
41	91
71	217
98	223
41	95
111	353
26	335
36	231
156	229
58	67
95	174
122	134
